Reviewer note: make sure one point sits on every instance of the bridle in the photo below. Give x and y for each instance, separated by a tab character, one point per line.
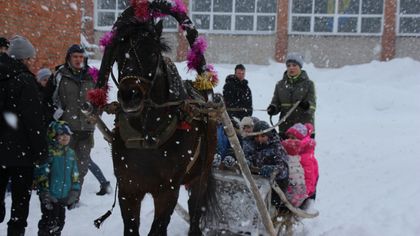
141	79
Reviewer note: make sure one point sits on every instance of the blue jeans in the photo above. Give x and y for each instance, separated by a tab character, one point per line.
96	171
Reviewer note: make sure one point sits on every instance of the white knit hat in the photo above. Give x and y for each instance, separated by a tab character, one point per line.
295	57
247	120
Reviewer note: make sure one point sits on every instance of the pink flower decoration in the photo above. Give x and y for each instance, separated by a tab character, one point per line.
179	7
196	53
214	78
106	39
141	9
98	97
94	73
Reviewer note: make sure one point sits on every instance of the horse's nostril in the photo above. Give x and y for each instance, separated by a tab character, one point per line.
136	95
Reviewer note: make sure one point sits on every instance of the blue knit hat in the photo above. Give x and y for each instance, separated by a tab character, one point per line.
57	128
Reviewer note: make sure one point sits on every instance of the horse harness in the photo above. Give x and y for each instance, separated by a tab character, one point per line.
184	111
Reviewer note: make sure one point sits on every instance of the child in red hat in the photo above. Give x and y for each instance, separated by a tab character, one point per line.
300	143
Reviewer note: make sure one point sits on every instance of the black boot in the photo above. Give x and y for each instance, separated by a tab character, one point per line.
2	211
105	189
13	231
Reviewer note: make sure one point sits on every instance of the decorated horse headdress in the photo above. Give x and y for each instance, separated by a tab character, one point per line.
140	18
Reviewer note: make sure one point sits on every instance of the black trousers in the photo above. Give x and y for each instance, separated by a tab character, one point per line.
21	178
52	221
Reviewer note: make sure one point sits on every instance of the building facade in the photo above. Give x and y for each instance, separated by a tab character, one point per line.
51	26
329	33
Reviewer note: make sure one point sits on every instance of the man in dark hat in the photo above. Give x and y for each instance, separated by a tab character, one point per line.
22	130
237	94
72	82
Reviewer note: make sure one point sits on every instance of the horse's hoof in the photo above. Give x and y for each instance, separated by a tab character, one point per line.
195	233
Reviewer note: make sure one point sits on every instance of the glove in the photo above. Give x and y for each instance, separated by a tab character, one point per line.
47	200
72	199
58	113
304	105
217	160
271	110
229	161
266	170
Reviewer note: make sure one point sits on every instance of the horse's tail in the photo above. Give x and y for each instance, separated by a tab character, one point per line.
212	208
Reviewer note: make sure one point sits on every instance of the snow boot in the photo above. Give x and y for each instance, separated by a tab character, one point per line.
105	189
2	211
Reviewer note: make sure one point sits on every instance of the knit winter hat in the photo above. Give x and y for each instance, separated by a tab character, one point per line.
43	74
21	48
247	121
57	128
4	42
300	131
260	126
73	49
295	57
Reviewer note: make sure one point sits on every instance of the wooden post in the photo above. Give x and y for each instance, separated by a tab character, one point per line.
389	34
250	183
282	30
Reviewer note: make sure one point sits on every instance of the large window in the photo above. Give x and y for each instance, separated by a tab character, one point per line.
234	16
107	11
335	17
409	17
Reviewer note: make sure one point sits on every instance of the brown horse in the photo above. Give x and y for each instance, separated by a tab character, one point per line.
156	148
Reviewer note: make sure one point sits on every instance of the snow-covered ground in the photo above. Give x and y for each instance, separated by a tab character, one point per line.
368	123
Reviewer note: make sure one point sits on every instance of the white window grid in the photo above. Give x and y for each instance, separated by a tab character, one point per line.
335	21
399	15
233	20
116	12
96	15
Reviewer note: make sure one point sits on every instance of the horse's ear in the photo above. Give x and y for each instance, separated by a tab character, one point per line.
159	27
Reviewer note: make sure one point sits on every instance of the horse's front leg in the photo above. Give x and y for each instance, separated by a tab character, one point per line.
165	203
130	210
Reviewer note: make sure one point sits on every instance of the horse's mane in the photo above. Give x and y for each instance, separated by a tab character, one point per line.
128	26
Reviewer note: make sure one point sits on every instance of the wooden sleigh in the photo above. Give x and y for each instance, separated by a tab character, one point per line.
243	201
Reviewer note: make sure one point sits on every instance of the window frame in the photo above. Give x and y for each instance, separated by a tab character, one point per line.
116	12
335	17
233	16
399	15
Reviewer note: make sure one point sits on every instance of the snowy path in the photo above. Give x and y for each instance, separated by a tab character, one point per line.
368	122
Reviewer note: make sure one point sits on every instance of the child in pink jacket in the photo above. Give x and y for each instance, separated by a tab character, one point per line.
299	138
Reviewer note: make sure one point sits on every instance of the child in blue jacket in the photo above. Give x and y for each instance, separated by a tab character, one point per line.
57	180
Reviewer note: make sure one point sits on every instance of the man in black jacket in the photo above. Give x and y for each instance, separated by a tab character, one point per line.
22	130
237	94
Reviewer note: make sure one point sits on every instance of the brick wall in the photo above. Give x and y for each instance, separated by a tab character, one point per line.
89	21
51	26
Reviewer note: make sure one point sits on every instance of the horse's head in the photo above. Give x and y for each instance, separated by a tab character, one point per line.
139	58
